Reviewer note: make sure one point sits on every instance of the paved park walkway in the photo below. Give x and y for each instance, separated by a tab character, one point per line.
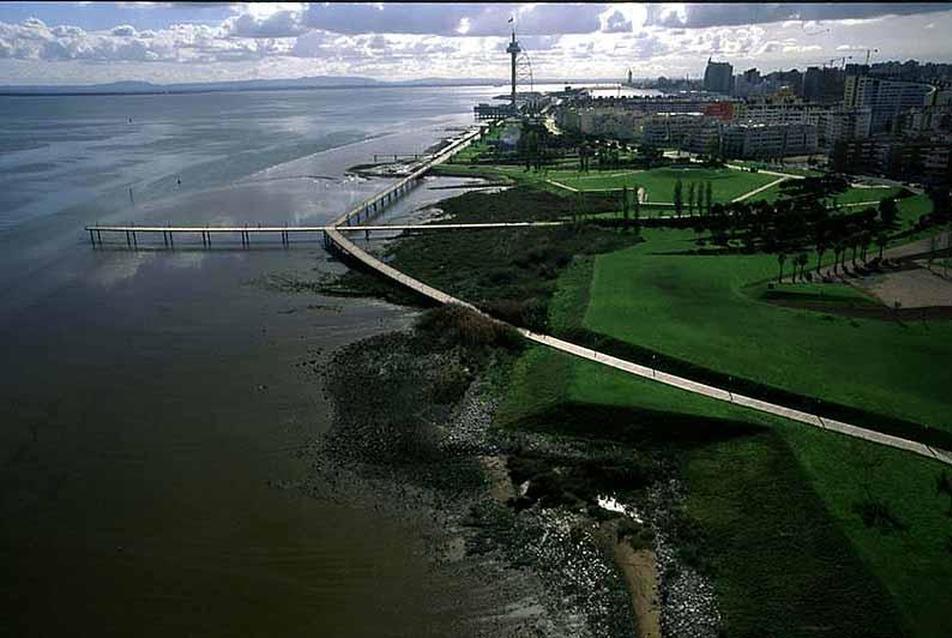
341	243
354	251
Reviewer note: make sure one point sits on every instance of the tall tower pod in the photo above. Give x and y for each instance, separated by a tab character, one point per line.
513	50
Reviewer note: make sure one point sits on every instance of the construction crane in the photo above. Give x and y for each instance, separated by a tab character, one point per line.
868	51
841	60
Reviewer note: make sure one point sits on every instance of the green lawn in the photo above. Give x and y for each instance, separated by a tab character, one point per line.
777	505
699	309
659	183
855	195
852	195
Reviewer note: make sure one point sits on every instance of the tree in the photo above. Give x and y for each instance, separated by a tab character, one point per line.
941	202
710	200
691	198
678	198
888	211
781	258
867	240
802	260
624	204
839	156
637	203
881	241
943	485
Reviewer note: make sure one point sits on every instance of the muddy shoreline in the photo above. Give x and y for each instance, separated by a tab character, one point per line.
512	515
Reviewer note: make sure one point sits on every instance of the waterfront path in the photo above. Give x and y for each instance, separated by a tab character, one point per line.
337	241
346	246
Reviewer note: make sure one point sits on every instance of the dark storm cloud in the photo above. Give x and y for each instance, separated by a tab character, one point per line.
712	15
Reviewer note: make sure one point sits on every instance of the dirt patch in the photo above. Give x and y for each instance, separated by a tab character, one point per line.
913	289
500	485
868	311
640	568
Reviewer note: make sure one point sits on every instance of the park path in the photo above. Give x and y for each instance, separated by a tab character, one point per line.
780	178
338	241
346	246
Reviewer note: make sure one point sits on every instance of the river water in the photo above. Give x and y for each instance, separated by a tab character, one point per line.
154	401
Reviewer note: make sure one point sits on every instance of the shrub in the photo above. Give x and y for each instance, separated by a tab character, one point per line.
459	323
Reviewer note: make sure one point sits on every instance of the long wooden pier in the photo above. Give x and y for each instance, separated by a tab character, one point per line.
132	232
362	212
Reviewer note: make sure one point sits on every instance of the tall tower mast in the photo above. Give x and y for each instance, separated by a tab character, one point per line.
513	50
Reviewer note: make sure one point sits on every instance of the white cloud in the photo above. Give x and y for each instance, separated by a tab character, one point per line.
400	41
125	30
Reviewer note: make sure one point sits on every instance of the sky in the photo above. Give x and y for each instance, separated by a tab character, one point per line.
165	42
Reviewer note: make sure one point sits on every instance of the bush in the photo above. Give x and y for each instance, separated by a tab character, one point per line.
876	514
527	313
456	322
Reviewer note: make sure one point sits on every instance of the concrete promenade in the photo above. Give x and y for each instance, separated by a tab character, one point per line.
336	240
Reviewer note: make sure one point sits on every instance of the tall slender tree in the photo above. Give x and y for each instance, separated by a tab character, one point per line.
691	200
624	204
709	189
781	259
678	198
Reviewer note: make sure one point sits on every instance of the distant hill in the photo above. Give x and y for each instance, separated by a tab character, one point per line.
314	82
146	88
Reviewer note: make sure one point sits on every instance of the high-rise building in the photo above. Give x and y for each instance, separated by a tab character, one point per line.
752	76
719	77
886	98
823	84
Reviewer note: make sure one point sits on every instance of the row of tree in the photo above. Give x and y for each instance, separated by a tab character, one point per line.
700	198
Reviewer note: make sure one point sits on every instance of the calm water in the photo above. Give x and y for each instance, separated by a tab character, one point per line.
151	399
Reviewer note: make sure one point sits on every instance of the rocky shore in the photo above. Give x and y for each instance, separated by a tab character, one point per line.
512	514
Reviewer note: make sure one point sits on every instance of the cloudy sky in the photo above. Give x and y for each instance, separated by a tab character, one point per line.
57	43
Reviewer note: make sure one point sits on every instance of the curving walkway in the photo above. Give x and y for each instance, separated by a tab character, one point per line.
337	240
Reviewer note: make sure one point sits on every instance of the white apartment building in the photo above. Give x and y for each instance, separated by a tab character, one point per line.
843	123
692	132
768	141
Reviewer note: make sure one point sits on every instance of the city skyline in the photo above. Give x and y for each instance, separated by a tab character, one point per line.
86	43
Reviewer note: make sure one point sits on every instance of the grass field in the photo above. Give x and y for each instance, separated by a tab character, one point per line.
852	195
701	309
659	183
789	552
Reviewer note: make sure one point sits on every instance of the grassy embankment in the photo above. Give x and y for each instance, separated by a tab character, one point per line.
780	508
710	311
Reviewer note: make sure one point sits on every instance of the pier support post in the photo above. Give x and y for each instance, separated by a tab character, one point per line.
135	240
128	240
99	237
92	240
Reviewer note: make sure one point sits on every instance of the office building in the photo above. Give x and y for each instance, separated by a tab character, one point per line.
719	77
